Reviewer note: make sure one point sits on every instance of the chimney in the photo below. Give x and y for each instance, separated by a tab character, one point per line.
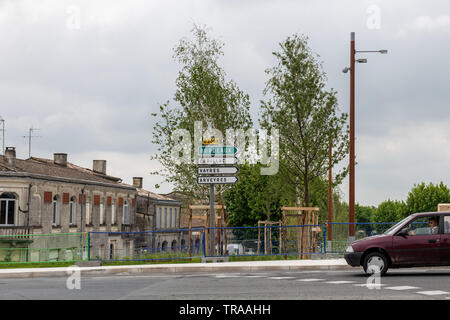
137	182
10	155
99	166
60	158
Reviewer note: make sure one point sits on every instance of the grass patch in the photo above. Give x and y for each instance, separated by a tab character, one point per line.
19	265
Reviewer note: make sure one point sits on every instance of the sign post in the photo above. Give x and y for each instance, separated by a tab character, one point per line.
219	171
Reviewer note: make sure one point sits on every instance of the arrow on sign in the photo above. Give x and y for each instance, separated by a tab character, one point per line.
217	170
217	180
217	150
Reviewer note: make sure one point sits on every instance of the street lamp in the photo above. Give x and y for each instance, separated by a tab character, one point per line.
351	204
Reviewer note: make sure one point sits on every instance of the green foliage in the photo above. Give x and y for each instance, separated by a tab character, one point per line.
390	211
202	94
364	213
423	198
255	197
306	115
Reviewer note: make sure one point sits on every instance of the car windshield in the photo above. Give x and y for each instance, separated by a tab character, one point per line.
394	228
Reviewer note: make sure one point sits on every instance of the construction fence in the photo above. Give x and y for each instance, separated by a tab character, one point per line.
275	241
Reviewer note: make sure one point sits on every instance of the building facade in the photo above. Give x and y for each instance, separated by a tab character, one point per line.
48	197
159	217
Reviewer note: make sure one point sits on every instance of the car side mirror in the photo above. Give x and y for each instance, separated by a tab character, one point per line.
404	232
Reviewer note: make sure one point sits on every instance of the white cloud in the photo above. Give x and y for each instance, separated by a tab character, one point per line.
426	24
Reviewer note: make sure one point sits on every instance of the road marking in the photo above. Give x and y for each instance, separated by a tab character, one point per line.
339	282
368	285
280	278
402	288
432	293
310	280
226	276
254	276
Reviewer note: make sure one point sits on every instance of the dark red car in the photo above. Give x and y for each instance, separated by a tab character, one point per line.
421	239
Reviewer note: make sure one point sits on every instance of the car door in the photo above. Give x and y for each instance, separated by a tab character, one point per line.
418	248
445	241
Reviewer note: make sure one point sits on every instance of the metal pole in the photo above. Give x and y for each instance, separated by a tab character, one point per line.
352	140
211	220
330	196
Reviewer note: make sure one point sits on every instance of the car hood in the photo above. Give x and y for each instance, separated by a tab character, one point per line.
378	236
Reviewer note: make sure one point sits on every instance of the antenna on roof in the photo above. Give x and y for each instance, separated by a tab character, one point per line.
29	136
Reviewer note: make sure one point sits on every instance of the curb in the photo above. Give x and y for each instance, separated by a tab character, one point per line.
175	268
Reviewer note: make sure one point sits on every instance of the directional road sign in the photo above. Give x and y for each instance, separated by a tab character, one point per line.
217	150
216	180
217	170
217	161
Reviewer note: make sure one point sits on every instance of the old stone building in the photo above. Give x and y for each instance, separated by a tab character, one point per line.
53	196
160	215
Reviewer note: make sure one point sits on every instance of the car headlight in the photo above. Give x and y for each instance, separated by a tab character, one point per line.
349	249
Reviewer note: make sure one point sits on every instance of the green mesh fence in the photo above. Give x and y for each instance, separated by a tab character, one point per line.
32	248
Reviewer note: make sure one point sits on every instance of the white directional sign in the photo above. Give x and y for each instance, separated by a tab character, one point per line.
217	170
217	180
217	161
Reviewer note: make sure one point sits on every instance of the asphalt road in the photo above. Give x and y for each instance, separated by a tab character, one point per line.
404	284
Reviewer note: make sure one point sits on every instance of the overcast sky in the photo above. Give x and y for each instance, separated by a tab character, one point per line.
88	74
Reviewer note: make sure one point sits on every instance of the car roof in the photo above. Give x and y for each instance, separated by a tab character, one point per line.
430	213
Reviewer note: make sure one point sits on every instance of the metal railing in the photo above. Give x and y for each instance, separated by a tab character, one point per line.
15	232
237	243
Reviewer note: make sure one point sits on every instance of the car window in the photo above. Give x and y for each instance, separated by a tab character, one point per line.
447	224
424	226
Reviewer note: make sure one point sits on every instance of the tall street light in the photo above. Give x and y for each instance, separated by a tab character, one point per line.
353	52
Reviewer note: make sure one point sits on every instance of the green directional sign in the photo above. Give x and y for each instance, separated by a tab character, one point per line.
217	150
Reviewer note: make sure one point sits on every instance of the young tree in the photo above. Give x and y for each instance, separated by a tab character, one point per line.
255	197
423	198
390	211
202	94
306	115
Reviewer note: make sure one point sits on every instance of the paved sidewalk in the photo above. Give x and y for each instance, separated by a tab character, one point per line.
331	264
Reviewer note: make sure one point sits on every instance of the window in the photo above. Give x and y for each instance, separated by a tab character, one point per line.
165	218
170	218
126	213
175	218
88	213
447	224
158	219
102	214
7	209
55	206
73	211
424	226
113	213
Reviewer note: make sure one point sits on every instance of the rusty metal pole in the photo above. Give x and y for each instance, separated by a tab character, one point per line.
352	140
330	200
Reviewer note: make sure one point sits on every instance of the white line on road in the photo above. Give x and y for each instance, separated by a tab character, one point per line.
310	280
280	278
432	293
339	282
402	288
368	285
